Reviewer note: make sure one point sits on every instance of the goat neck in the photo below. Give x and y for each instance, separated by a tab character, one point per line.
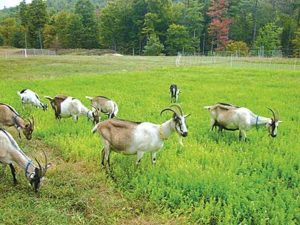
166	129
24	162
85	111
257	120
19	121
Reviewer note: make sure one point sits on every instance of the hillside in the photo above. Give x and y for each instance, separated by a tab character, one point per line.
54	5
68	5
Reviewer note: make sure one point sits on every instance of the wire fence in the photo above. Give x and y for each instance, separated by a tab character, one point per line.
25	52
257	62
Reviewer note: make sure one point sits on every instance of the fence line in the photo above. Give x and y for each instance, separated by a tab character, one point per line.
25	52
236	61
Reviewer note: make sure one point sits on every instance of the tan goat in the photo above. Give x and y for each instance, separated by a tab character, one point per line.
230	117
10	117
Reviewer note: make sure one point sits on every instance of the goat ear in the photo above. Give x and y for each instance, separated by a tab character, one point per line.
36	172
187	115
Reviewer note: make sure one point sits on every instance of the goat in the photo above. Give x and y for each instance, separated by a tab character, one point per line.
10	154
30	97
10	117
230	117
105	105
65	107
174	93
130	138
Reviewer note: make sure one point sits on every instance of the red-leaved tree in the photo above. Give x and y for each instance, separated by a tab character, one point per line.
219	26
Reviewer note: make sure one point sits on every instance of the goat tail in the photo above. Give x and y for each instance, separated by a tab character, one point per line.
89	98
95	128
49	98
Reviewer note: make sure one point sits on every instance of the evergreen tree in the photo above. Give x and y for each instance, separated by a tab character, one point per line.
74	35
153	47
296	44
269	37
37	18
191	17
90	34
177	40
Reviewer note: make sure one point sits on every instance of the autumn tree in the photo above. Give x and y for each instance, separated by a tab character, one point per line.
219	26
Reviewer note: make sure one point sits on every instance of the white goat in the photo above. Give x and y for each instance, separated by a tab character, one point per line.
137	138
30	97
10	154
65	107
230	117
105	105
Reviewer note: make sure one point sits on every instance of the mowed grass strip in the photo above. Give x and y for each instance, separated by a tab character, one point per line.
214	178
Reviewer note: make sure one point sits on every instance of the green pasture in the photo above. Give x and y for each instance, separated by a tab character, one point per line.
212	179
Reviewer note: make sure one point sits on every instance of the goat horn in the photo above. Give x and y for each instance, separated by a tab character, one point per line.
168	109
178	107
32	118
40	167
274	116
46	163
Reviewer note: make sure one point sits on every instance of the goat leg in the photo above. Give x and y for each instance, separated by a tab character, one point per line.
102	158
139	157
153	158
19	132
13	172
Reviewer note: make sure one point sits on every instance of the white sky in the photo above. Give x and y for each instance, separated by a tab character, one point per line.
10	3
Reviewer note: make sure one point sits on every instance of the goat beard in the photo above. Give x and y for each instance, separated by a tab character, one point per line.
180	140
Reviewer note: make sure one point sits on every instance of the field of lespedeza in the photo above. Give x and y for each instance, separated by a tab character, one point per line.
212	179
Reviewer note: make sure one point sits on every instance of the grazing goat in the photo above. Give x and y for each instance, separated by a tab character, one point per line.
105	105
230	117
65	107
9	117
30	97
11	153
174	92
139	137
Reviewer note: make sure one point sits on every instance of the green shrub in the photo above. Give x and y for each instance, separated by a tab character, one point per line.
239	48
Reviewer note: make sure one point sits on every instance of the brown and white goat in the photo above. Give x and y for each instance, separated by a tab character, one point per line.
230	117
10	154
65	106
104	105
10	117
130	138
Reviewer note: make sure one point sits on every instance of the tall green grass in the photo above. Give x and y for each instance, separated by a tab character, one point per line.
214	178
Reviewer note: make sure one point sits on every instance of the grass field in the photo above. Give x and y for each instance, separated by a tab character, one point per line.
213	179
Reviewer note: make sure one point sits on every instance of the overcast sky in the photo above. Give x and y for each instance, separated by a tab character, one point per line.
10	3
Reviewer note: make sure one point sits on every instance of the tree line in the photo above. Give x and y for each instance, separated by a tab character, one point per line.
154	27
